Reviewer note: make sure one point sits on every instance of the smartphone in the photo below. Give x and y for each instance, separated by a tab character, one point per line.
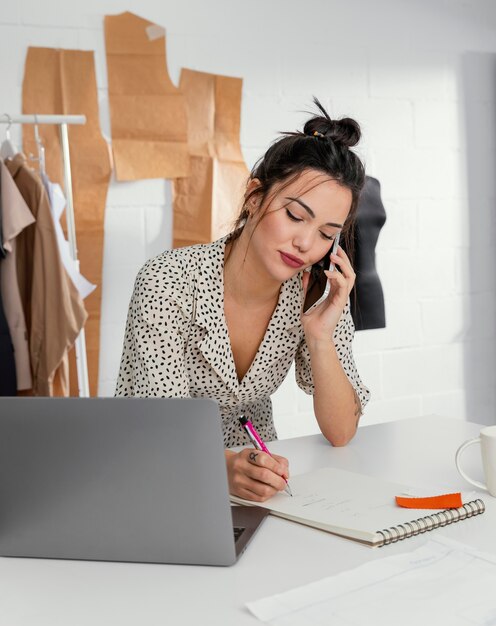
319	285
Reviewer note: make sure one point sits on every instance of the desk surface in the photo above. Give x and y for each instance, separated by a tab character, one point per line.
282	555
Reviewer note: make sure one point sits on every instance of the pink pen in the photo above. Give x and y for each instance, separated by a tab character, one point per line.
257	442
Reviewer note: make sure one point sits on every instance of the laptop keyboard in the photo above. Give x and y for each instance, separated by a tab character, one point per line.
238	531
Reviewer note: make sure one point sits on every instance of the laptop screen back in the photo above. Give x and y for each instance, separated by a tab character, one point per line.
120	479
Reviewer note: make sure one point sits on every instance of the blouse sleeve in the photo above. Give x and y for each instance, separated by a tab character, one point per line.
343	338
152	362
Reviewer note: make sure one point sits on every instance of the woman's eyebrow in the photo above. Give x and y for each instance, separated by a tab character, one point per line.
311	213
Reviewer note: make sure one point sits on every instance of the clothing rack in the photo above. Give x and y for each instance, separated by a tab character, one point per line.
63	121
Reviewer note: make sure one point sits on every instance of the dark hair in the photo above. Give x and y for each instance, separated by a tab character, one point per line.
324	146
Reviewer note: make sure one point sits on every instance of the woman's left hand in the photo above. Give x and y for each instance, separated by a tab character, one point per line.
321	322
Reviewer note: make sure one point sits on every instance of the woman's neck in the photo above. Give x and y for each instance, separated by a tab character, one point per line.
245	281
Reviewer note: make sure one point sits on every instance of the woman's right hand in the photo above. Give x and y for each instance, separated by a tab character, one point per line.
255	475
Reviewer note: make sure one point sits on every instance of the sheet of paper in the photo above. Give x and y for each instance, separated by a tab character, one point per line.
147	111
443	582
64	82
207	202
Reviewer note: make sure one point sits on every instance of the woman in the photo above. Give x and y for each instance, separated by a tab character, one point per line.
224	320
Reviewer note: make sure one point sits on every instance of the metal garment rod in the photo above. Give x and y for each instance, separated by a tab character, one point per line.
42	119
63	121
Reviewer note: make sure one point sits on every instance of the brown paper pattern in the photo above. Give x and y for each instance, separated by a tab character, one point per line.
63	82
147	112
208	201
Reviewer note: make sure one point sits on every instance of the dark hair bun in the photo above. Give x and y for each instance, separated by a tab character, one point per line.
345	131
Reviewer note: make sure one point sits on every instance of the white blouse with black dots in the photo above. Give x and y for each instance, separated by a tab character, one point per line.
176	343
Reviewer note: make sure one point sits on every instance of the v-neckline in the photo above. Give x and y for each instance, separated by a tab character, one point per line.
226	327
209	314
260	345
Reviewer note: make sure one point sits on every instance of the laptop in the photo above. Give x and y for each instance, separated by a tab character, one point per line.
118	479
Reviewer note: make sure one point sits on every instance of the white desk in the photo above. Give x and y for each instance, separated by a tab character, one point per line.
282	555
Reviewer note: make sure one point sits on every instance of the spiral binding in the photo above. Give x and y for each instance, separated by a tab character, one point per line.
430	522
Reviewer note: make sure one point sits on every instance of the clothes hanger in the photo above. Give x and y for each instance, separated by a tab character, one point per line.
8	148
41	148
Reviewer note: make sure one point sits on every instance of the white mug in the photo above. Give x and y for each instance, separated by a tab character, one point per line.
487	442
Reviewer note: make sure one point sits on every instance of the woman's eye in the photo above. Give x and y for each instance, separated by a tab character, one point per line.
328	237
293	217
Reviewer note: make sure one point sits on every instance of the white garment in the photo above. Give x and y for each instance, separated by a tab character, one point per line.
57	206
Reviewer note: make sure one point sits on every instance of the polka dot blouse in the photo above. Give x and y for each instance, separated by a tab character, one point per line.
176	343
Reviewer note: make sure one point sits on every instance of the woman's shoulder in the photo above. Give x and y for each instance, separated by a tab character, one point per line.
170	262
175	269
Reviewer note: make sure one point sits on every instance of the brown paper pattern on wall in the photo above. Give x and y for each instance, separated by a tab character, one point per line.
63	82
147	112
208	201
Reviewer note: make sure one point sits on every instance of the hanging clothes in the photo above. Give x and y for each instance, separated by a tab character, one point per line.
57	207
3	252
16	216
8	383
53	308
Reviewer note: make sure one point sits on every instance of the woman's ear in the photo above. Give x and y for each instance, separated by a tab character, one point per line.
251	195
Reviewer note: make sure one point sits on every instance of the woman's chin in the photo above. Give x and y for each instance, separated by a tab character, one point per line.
284	274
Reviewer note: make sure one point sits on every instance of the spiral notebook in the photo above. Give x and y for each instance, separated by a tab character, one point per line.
359	507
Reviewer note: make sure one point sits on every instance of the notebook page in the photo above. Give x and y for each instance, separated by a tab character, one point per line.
337	499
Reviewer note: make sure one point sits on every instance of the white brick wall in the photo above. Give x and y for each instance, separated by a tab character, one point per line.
421	78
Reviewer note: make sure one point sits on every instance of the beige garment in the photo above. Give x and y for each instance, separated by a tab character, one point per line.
53	308
177	342
16	216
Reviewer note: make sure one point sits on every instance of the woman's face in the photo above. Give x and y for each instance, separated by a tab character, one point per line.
299	224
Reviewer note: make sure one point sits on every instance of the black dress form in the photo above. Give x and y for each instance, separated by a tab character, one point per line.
367	298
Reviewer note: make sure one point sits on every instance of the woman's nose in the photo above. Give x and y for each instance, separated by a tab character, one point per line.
303	241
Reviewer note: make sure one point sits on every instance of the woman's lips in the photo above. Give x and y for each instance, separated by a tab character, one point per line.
292	261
